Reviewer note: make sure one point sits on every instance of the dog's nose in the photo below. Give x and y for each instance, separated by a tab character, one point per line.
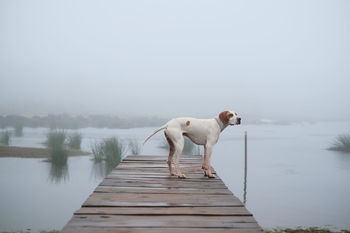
239	120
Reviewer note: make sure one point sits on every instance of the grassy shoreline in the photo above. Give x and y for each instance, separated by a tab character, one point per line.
30	152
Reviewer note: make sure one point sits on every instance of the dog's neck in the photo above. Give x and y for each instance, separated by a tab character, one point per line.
222	126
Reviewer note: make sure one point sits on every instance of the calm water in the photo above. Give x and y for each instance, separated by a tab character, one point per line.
292	180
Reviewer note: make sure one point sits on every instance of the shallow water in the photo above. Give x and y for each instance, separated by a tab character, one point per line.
292	180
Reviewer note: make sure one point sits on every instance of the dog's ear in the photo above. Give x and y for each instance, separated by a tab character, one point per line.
225	116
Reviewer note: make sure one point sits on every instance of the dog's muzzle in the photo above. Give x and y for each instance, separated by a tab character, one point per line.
238	120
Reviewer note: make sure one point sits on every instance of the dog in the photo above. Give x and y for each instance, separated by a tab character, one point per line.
203	132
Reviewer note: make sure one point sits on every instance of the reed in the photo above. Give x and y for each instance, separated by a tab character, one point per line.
134	147
341	143
56	144
109	151
5	138
74	141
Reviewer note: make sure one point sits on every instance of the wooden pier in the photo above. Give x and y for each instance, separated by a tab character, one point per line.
140	196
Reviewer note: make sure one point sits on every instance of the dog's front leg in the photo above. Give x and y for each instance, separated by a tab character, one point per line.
206	161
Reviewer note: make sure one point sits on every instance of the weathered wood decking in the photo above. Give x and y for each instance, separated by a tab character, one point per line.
140	196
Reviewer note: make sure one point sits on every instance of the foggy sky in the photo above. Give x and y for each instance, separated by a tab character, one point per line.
269	59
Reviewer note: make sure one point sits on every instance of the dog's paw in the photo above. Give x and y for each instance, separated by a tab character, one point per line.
205	172
181	176
209	174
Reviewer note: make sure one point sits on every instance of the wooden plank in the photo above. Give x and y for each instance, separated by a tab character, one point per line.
154	165
116	190
165	170
135	199
160	170
164	180
159	166
159	157
190	177
163	221
209	211
75	229
164	173
186	161
164	184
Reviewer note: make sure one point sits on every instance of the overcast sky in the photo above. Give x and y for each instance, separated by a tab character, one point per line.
270	59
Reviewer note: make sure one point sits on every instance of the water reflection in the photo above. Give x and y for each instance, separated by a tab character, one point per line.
245	167
245	188
343	159
59	172
58	166
101	169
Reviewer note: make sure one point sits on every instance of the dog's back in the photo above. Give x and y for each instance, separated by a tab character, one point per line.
197	130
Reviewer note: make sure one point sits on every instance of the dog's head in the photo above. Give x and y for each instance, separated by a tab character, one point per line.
229	118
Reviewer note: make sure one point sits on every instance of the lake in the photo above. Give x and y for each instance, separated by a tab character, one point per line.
292	179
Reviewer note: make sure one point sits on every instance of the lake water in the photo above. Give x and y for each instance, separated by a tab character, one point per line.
292	179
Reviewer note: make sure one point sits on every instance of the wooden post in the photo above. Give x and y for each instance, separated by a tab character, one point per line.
245	167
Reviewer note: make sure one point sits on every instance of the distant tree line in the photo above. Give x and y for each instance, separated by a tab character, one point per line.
65	121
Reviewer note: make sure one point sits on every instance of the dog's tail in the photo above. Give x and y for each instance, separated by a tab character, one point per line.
156	131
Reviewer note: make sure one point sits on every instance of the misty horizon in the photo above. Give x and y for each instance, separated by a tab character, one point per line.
262	59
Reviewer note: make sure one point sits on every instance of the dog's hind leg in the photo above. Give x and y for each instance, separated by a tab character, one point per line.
171	154
179	145
177	139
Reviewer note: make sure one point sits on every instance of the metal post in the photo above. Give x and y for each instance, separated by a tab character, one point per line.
245	167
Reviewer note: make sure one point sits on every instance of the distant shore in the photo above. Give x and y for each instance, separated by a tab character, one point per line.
66	121
30	152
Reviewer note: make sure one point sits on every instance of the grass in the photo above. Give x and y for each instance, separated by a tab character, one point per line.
57	141
108	152
189	147
134	147
55	138
341	143
56	145
5	138
74	141
305	230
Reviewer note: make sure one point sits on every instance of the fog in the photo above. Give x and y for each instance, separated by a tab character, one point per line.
263	59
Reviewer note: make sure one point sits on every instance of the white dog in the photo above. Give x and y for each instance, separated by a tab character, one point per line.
201	131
